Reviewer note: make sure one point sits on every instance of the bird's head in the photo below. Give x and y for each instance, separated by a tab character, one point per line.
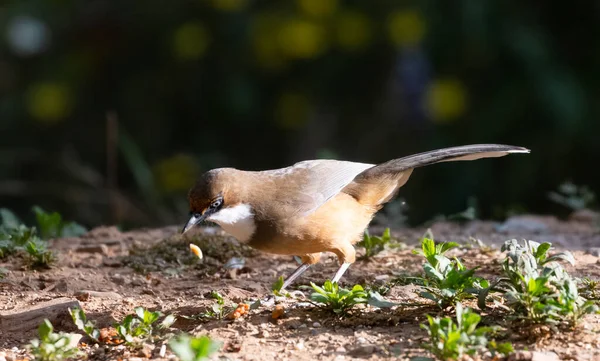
217	196
207	197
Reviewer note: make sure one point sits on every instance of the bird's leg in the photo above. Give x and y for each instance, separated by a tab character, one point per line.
270	299
346	256
291	278
340	272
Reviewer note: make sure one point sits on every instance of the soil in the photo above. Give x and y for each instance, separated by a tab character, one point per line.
111	272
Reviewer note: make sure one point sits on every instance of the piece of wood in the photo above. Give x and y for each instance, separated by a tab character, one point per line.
29	318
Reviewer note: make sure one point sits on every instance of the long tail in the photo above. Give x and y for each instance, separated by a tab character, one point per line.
466	152
380	183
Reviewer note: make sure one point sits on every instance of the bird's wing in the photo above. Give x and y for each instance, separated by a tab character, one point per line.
305	186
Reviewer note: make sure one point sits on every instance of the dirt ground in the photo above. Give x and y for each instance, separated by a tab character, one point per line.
154	268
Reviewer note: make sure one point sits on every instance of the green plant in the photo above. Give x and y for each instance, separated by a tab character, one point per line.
218	309
24	239
53	346
39	254
189	348
16	237
590	289
373	244
82	323
446	280
573	196
431	251
337	299
140	326
51	225
449	340
536	286
3	272
277	285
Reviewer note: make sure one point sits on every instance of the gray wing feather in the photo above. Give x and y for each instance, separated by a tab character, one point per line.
307	185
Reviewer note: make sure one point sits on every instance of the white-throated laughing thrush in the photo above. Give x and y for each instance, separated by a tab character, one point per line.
312	206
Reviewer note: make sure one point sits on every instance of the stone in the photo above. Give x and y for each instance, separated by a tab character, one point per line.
29	318
533	356
594	251
361	351
585	216
86	294
527	224
93	248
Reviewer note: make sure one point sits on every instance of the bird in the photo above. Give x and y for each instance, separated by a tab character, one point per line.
313	206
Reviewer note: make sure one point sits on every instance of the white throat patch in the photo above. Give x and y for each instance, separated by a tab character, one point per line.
238	221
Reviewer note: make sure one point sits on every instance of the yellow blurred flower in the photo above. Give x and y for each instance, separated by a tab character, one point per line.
293	110
353	30
302	39
190	41
406	28
265	30
446	100
229	5
317	7
176	173
49	102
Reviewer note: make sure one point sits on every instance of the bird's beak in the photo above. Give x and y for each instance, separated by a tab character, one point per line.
194	220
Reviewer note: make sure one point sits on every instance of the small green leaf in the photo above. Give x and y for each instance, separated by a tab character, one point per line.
565	256
375	299
357	288
9	219
151	317
446	246
428	246
72	229
45	330
540	252
49	223
278	284
193	349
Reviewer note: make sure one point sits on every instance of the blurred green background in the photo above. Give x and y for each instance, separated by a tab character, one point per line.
110	109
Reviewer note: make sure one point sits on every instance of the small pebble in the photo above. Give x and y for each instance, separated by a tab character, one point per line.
362	351
340	349
316	325
299	346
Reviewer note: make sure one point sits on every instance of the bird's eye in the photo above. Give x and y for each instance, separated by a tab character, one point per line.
216	203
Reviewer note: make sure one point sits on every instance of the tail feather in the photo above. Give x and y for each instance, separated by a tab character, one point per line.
379	184
466	152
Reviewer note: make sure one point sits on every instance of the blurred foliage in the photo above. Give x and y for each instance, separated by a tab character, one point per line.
262	84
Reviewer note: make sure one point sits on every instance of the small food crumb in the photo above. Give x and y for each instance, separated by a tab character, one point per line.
278	312
241	310
196	250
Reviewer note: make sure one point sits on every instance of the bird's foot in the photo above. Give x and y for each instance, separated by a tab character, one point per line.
268	301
